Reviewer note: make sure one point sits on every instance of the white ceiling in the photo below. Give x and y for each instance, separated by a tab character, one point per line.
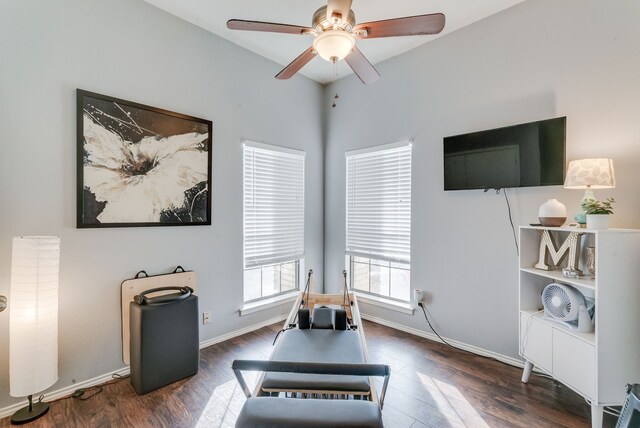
283	48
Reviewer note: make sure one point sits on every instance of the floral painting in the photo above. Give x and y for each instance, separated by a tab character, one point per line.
141	166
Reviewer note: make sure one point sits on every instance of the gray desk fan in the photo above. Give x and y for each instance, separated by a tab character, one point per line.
567	305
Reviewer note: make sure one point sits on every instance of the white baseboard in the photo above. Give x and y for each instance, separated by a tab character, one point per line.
465	347
59	393
54	395
242	331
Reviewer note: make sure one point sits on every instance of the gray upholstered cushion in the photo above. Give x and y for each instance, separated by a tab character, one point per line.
323	318
263	412
327	346
164	343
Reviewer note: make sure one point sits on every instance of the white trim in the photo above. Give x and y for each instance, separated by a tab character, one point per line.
54	395
62	392
390	146
68	390
394	305
371	256
280	149
465	347
269	302
242	331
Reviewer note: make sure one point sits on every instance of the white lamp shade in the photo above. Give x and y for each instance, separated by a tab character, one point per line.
33	320
594	173
333	45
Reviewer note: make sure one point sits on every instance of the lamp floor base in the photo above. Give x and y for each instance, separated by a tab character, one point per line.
23	415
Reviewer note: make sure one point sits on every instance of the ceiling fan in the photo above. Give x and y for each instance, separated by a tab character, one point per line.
335	32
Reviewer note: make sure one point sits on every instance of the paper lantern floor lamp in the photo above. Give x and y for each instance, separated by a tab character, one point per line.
33	321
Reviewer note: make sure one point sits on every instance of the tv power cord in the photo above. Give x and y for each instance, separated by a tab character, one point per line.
513	229
431	327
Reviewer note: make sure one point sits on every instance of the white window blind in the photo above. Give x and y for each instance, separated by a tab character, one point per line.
379	203
273	205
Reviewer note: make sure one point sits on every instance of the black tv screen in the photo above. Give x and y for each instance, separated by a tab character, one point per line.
529	154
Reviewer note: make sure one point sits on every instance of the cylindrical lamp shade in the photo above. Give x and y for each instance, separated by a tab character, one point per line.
594	173
33	320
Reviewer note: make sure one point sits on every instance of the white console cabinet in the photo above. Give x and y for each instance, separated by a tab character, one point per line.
596	365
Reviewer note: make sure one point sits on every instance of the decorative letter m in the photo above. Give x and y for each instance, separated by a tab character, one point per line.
569	245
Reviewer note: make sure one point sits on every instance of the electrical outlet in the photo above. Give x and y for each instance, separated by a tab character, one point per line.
418	296
206	317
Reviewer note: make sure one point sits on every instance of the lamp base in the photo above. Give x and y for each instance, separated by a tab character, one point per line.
29	413
581	218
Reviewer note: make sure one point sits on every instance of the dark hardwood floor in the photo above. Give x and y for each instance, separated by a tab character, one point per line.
431	385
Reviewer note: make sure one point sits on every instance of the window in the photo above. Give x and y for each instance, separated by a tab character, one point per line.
378	241
273	219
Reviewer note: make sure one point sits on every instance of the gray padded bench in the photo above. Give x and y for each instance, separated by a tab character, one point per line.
271	412
331	346
276	412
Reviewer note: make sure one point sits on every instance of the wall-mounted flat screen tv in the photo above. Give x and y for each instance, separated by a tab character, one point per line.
529	154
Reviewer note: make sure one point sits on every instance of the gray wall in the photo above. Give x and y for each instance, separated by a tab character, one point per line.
537	60
129	49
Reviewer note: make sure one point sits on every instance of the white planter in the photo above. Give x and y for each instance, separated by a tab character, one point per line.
598	221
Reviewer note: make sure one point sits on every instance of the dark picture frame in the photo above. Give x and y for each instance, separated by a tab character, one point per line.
139	165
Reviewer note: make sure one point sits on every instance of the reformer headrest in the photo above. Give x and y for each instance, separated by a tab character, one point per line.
323	318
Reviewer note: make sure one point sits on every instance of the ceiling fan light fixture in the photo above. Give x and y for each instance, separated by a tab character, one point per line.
334	45
335	32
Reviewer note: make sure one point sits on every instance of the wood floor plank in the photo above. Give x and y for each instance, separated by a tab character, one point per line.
431	385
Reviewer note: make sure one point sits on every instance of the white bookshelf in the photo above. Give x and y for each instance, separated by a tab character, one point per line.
596	365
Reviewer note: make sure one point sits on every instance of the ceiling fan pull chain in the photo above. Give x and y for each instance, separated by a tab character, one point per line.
335	78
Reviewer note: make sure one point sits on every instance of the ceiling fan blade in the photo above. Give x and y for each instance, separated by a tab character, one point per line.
338	8
297	64
362	67
407	26
271	27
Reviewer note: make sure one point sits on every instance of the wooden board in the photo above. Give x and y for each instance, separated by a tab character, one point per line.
135	286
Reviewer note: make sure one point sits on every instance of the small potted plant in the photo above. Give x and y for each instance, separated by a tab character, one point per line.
598	213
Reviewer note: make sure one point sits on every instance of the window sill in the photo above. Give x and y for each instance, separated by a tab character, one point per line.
269	302
394	305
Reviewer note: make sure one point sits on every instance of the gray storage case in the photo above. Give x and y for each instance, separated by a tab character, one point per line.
164	339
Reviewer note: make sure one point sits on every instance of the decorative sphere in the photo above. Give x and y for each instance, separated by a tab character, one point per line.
552	213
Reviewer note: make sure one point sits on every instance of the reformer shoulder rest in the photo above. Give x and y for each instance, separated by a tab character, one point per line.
322	318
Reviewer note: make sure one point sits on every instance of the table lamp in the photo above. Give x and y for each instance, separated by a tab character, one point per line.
589	174
33	322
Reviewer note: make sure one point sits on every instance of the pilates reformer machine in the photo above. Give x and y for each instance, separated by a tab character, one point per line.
318	373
